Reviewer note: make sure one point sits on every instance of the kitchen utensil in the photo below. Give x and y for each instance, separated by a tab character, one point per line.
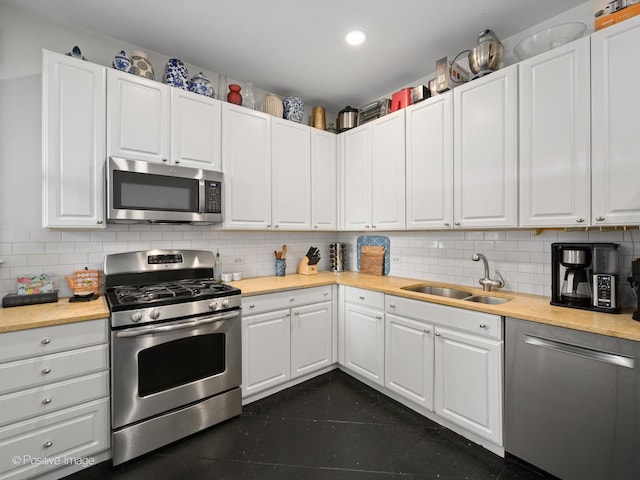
347	119
549	39
284	252
486	56
374	240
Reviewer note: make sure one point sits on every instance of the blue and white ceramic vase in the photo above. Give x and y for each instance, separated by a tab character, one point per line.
201	85
176	74
141	65
76	53
281	267
293	109
122	62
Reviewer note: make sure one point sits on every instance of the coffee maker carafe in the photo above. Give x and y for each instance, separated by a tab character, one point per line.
585	275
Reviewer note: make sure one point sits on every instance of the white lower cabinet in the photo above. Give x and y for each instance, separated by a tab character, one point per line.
468	382
285	335
54	398
408	369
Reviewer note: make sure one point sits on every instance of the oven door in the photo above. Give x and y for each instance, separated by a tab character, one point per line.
158	368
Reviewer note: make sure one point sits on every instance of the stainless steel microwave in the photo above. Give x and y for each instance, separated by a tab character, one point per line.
143	192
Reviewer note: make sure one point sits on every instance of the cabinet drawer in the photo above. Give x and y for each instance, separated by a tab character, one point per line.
73	433
51	368
458	318
360	296
40	400
276	301
41	341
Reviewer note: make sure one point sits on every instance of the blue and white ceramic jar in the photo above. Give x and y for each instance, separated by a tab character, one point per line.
76	53
293	109
201	85
122	62
176	74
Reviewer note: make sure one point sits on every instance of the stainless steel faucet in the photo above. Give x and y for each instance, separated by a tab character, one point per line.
487	282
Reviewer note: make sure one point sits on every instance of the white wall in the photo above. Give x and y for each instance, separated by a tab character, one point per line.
521	256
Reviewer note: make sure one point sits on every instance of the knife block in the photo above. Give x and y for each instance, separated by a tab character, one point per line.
305	269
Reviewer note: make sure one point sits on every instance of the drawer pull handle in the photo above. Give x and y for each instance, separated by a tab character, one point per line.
46	370
600	219
48	444
361	297
580	220
45	341
46	401
482	325
392	305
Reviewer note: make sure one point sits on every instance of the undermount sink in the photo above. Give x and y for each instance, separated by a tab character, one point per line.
439	291
487	299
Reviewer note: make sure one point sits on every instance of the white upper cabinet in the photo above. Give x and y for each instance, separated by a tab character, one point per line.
615	68
153	122
429	176
291	175
73	142
246	150
486	151
324	180
388	167
555	148
195	130
138	118
372	160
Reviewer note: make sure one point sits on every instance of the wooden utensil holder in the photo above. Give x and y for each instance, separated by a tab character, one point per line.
305	269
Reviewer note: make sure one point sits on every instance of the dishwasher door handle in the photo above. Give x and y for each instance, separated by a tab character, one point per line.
585	352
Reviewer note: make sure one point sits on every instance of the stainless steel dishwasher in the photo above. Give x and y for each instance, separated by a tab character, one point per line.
572	405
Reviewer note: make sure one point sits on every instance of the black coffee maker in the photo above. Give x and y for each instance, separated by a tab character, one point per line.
585	276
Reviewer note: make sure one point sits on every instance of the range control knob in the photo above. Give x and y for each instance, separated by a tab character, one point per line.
155	313
136	317
225	303
213	305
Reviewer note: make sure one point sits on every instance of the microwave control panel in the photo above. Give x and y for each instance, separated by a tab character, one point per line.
213	197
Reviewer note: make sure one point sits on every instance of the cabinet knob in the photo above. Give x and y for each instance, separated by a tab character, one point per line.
164	160
268	226
291	299
361	297
296	313
367	226
482	325
379	317
46	370
599	219
580	220
99	222
46	401
456	224
374	226
326	294
252	306
427	331
277	226
177	162
437	334
315	226
48	444
287	314
45	341
446	224
392	305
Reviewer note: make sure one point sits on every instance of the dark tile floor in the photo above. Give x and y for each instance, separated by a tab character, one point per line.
332	427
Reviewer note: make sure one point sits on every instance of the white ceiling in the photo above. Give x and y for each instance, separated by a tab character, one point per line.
296	47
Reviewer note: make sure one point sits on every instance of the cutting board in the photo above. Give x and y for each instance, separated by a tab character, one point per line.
372	260
375	241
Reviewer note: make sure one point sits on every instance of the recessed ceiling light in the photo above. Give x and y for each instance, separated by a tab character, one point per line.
355	37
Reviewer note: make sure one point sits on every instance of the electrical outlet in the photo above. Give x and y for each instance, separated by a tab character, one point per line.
395	259
238	260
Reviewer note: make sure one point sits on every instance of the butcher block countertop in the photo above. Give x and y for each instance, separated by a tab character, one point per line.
46	314
522	306
526	307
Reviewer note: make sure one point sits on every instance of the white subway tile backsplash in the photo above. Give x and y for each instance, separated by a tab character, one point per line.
128	236
35	247
73	258
42	259
60	248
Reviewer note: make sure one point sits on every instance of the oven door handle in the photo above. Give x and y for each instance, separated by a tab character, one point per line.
136	332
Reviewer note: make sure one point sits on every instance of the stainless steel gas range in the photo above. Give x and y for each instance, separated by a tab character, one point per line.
175	348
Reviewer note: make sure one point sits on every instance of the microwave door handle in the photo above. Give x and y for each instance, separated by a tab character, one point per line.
202	199
136	332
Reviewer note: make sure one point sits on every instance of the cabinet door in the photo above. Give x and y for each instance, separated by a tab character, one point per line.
429	177
311	338
388	182
246	149
265	351
555	147
195	130
291	175
485	151
74	96
409	359
615	139
364	342
138	117
324	176
355	164
468	382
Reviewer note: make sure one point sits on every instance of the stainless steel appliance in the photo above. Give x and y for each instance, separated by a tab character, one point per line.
635	276
571	401
347	119
143	192
175	348
585	275
486	56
